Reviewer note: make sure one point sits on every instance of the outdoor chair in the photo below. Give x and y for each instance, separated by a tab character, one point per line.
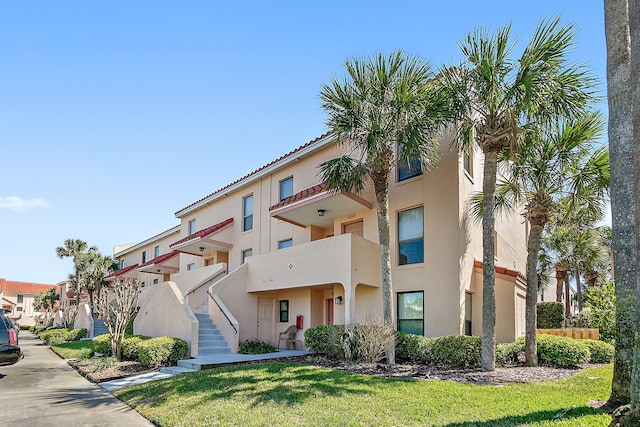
289	336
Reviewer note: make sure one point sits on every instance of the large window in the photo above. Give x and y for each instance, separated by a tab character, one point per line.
411	236
192	227
285	243
411	312
246	254
284	310
286	188
408	167
247	213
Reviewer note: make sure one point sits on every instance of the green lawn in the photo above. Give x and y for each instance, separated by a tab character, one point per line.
300	395
73	349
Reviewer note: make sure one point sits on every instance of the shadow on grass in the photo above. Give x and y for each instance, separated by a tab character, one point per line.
282	383
523	420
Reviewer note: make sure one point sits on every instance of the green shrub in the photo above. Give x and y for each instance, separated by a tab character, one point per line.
601	352
413	348
510	353
77	334
25	328
38	329
550	315
561	352
85	353
102	363
256	346
324	339
162	351
55	336
457	350
102	344
130	345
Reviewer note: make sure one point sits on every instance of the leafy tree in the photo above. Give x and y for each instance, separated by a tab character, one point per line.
385	110
498	99
600	310
93	267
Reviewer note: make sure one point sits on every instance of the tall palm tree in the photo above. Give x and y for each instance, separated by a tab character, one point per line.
386	105
93	266
74	249
498	99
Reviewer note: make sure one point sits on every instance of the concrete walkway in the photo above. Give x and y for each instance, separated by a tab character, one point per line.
43	389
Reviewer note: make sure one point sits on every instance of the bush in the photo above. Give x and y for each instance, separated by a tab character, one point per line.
85	353
55	336
561	352
550	315
510	353
457	350
130	346
162	351
102	344
37	329
601	352
324	339
77	334
256	346
413	348
102	363
25	328
372	341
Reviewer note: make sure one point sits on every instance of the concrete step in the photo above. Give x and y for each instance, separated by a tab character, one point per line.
176	370
210	338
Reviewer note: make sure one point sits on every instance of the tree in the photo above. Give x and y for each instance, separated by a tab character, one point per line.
386	109
117	304
600	310
74	249
46	301
92	267
498	99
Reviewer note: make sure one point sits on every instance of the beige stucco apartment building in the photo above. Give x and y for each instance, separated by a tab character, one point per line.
17	299
275	248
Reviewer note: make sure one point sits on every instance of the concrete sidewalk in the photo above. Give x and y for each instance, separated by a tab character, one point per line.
43	389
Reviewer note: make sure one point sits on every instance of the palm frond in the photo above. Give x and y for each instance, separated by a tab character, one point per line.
344	174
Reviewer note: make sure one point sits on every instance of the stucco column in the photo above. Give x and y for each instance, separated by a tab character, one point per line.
349	303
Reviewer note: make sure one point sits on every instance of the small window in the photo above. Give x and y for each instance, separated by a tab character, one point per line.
467	161
156	251
247	213
121	264
18	308
144	256
192	227
286	188
155	281
285	243
284	310
411	236
411	312
20	299
246	254
191	266
468	304
408	167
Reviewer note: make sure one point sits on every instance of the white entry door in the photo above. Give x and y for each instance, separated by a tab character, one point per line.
265	319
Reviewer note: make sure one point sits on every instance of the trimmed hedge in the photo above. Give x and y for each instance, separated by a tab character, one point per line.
510	353
256	346
55	336
561	352
102	344
77	334
550	315
130	346
601	352
413	348
162	351
323	339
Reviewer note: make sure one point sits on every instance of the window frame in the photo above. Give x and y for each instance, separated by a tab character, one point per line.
410	240
407	164
468	310
244	256
144	257
284	313
283	181
156	251
280	242
192	226
399	321
245	215
467	164
20	299
191	266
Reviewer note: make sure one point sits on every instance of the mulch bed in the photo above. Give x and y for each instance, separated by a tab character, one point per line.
122	369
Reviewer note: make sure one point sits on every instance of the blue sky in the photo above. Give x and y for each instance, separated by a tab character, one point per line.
116	114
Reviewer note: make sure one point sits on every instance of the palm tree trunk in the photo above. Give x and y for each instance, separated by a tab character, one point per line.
533	248
559	283
567	299
488	362
623	213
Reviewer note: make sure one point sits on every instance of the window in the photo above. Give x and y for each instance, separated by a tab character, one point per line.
468	304
284	310
411	236
121	264
286	188
18	308
246	254
411	312
20	299
155	281
192	227
247	213
156	251
191	266
467	161
285	243
407	167
144	256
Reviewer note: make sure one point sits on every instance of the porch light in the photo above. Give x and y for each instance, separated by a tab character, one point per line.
338	299
321	213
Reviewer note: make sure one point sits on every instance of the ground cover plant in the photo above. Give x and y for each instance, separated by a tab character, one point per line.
295	394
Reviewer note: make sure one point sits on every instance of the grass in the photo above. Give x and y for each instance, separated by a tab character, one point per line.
74	349
301	395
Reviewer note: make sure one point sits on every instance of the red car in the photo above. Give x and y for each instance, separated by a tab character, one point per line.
10	352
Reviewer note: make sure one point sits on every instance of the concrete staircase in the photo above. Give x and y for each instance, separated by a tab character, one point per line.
99	328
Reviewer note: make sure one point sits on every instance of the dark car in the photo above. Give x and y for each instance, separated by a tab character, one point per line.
10	352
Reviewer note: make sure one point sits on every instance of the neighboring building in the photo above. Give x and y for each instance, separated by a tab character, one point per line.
17	298
275	248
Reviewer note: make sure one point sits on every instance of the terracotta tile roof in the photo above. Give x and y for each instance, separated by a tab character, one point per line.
160	259
122	271
307	192
502	270
204	232
289	154
25	287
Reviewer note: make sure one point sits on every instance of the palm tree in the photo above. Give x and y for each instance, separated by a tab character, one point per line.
498	99
93	266
386	105
74	249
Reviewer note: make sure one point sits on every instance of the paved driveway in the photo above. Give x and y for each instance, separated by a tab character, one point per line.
42	389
